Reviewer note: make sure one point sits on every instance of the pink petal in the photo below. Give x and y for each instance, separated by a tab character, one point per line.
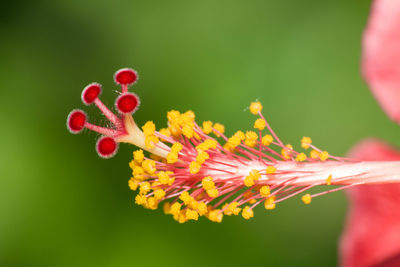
372	233
381	55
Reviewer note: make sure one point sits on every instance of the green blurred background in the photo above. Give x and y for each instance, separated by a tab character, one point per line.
61	205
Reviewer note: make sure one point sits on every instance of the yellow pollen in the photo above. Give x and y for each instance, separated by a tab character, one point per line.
270	203
173	115
267	140
140	199
260	124
265	191
188	131
194	167
306	142
255	174
138	173
165	131
152	203
150	141
149	128
167	208
215	215
252	201
240	135
176	147
212	192
207	127
163	177
133	184
251	138
208	183
248	181
202	208
324	155
175	208
301	157
192	215
329	180
286	152
270	169
314	154
172	157
306	199
185	197
220	128
234	141
255	107
202	156
247	213
138	156
149	166
159	194
145	187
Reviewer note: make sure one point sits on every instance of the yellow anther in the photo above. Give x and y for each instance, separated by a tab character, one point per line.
133	184
232	209
140	199
193	204
212	192
267	140
155	184
185	197
265	191
145	187
150	141
208	183
260	124
211	143
247	194
234	141
202	156
138	156
248	181
202	208
301	157
159	194
190	114
138	173
220	128
255	107
306	142
172	157
255	174
251	138
175	208
247	213
192	215
207	127
152	203
215	215
149	166
240	135
329	180
149	128
133	164
165	131
194	167
269	203
163	177
270	169
252	201
176	147
167	208
306	199
171	180
180	217
324	155
287	151
173	115
175	129
188	131
314	154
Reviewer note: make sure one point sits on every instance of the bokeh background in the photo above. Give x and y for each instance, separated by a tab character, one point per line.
61	205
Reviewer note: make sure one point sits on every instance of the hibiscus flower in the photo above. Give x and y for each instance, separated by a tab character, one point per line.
372	233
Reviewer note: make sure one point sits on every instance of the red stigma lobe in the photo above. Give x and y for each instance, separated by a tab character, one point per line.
90	93
76	121
106	147
127	103
125	76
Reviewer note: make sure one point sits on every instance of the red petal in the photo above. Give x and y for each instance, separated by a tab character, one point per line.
372	233
381	55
